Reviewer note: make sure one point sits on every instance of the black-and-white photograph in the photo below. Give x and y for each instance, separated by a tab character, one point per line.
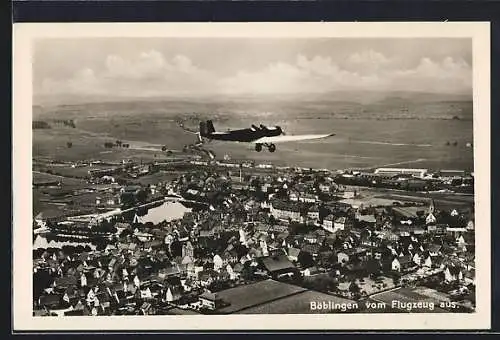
224	175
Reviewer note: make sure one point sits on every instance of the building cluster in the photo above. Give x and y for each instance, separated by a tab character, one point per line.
306	228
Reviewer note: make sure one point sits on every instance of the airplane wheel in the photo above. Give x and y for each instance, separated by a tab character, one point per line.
272	148
258	147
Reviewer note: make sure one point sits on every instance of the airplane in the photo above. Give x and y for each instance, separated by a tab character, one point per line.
258	135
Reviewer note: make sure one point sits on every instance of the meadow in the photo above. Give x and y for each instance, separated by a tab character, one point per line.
421	132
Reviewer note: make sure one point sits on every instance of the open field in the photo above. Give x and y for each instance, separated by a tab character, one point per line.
300	304
367	136
410	295
254	294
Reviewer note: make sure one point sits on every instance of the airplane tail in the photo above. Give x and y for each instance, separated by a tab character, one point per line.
206	128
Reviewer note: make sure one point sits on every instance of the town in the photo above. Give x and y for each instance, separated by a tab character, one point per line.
195	236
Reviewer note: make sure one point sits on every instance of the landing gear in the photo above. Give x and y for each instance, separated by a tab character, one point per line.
271	147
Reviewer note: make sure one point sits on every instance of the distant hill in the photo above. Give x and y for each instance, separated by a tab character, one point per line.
363	97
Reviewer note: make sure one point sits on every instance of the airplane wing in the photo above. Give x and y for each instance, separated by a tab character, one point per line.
282	139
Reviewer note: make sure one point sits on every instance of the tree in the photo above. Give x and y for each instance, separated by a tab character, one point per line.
396	279
100	244
240	250
305	259
247	272
354	288
125	233
127	199
68	250
176	248
142	196
41	280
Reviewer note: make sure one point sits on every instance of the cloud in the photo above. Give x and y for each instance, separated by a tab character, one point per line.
150	73
368	61
448	75
373	71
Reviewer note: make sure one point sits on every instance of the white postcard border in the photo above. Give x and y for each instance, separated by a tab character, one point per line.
25	33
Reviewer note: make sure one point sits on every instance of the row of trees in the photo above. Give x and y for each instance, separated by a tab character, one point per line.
38	124
66	122
118	143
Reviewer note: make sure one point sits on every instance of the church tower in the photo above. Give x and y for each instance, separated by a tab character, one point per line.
431	219
188	250
431	207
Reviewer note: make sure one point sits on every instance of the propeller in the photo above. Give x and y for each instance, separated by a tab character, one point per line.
182	126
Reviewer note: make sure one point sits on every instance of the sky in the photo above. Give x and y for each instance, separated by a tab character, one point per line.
149	67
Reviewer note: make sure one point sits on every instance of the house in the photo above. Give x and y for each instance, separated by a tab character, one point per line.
470	225
147	309
293	254
232	274
278	265
342	258
428	262
206	277
313	213
146	293
328	223
51	301
293	196
230	256
470	276
334	224
417	259
312	249
406	262
218	262
339	223
453	273
460	241
434	250
173	294
310	271
285	211
308	198
396	265
324	188
311	238
210	300
65	282
170	271
367	220
430	219
193	270
108	199
131	189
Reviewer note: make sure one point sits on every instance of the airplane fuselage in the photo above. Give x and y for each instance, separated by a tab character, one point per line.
261	136
243	135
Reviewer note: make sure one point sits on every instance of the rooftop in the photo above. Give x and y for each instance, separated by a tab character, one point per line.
295	304
255	294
